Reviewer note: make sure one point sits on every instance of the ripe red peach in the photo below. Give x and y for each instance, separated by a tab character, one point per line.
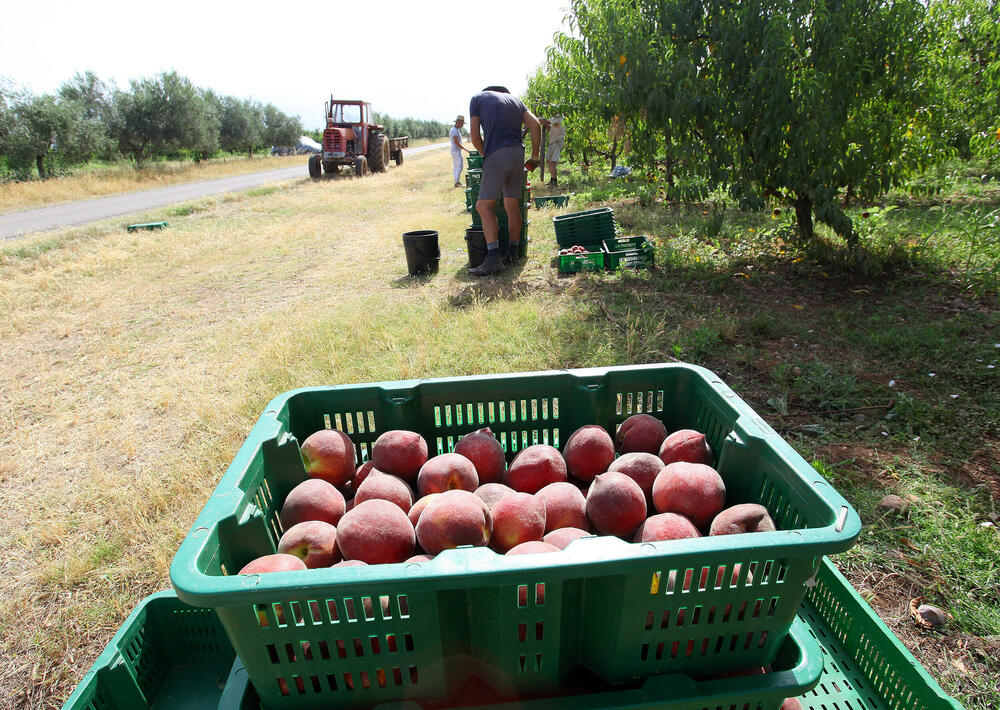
447	472
742	518
418	508
350	563
686	445
536	467
564	536
400	453
615	504
640	433
517	518
452	519
361	473
531	547
313	541
485	453
279	562
420	558
565	506
385	487
313	499
666	526
377	532
694	490
641	468
588	452
492	492
329	454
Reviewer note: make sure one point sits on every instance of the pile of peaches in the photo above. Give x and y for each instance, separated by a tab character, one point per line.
403	505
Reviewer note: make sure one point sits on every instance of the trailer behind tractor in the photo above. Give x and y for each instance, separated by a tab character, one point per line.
352	139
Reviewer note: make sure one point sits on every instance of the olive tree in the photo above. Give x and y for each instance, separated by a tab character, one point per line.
790	100
242	125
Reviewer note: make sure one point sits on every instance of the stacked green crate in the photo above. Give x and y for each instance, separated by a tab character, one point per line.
588	228
473	179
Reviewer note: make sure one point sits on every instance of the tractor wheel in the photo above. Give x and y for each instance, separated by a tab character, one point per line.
378	153
314	166
361	166
399	157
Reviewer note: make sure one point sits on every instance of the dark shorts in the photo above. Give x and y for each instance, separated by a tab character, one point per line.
503	170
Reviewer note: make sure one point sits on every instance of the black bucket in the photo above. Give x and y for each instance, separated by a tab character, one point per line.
475	240
422	252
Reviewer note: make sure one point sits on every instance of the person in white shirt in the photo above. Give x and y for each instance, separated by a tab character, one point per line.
455	136
557	136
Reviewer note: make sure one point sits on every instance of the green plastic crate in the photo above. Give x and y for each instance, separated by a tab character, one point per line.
474	177
520	623
147	226
630	252
551	201
866	666
475	160
586	227
166	655
589	261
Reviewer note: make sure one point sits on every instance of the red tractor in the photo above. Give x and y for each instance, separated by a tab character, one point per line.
351	139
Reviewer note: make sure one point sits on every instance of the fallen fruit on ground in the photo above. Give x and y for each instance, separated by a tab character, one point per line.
313	499
686	445
313	541
588	452
401	453
329	454
278	562
485	453
615	504
452	519
536	467
693	490
640	433
376	532
517	518
565	506
447	472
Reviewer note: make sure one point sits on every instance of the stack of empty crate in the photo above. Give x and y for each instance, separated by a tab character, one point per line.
597	232
473	179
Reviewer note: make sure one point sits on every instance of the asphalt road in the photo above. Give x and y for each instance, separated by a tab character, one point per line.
73	214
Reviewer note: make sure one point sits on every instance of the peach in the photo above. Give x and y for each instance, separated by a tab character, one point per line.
485	453
694	490
377	532
385	487
640	433
447	472
418	508
666	526
313	541
531	547
279	562
791	704
536	467
313	499
742	518
564	536
565	506
642	468
328	454
452	519
588	452
492	492
686	445
615	504
362	473
517	518
350	563
420	558
400	453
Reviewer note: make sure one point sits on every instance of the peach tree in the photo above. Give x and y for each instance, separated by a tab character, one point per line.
795	101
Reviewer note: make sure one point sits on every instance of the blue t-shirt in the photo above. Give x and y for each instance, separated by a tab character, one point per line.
500	116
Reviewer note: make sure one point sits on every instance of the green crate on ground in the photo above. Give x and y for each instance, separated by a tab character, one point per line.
589	261
166	655
551	201
434	612
632	252
146	226
473	177
585	227
866	665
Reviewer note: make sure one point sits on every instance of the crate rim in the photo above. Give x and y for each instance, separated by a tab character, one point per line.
482	566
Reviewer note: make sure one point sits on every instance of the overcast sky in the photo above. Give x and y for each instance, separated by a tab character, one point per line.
420	58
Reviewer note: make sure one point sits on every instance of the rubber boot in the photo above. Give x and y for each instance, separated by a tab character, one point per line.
491	265
513	254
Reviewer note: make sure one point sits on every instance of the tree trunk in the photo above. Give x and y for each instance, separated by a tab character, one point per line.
803	218
40	164
614	152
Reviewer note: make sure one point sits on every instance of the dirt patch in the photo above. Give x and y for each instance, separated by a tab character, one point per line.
983	469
